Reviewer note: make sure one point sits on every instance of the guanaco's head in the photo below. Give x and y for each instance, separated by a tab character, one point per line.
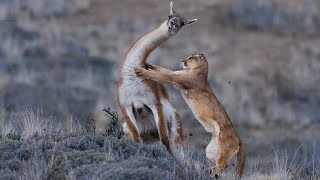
195	61
176	21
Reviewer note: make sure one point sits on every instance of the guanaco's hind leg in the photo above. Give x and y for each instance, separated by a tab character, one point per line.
175	129
126	131
131	124
162	125
178	138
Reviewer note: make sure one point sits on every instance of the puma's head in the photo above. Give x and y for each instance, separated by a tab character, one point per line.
176	21
195	61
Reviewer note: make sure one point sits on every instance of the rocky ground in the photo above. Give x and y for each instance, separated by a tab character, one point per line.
61	58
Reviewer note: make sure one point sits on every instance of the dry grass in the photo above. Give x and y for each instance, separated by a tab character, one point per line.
6	128
102	152
31	123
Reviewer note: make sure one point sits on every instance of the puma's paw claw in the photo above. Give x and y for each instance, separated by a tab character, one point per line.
149	67
138	71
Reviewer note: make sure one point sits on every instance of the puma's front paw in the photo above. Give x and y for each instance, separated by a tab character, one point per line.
149	67
138	71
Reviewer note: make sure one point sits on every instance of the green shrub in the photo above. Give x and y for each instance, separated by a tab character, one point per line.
114	129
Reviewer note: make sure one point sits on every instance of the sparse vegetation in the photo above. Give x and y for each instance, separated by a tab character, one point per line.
114	128
60	153
94	157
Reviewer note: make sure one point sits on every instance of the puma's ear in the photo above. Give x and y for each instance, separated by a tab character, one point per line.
191	21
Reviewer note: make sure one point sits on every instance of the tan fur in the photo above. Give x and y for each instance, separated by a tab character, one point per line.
192	81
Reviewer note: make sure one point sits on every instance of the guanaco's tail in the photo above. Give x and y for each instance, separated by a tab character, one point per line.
241	159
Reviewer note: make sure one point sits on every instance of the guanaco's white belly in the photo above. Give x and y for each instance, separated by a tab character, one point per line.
133	91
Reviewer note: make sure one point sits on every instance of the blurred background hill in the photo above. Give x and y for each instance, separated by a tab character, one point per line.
63	56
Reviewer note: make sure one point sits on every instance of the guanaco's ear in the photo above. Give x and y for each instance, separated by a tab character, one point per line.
202	56
191	21
171	8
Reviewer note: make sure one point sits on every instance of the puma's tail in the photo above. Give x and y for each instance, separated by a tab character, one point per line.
241	159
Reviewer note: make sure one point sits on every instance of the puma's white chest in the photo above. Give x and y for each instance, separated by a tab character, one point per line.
209	125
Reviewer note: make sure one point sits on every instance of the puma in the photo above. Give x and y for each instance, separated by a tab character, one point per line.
193	83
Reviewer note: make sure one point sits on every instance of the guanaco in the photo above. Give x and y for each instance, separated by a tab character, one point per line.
145	104
193	83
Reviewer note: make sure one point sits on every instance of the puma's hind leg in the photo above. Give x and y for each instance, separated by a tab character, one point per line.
226	151
212	150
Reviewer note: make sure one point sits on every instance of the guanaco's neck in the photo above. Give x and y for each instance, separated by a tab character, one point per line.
139	52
